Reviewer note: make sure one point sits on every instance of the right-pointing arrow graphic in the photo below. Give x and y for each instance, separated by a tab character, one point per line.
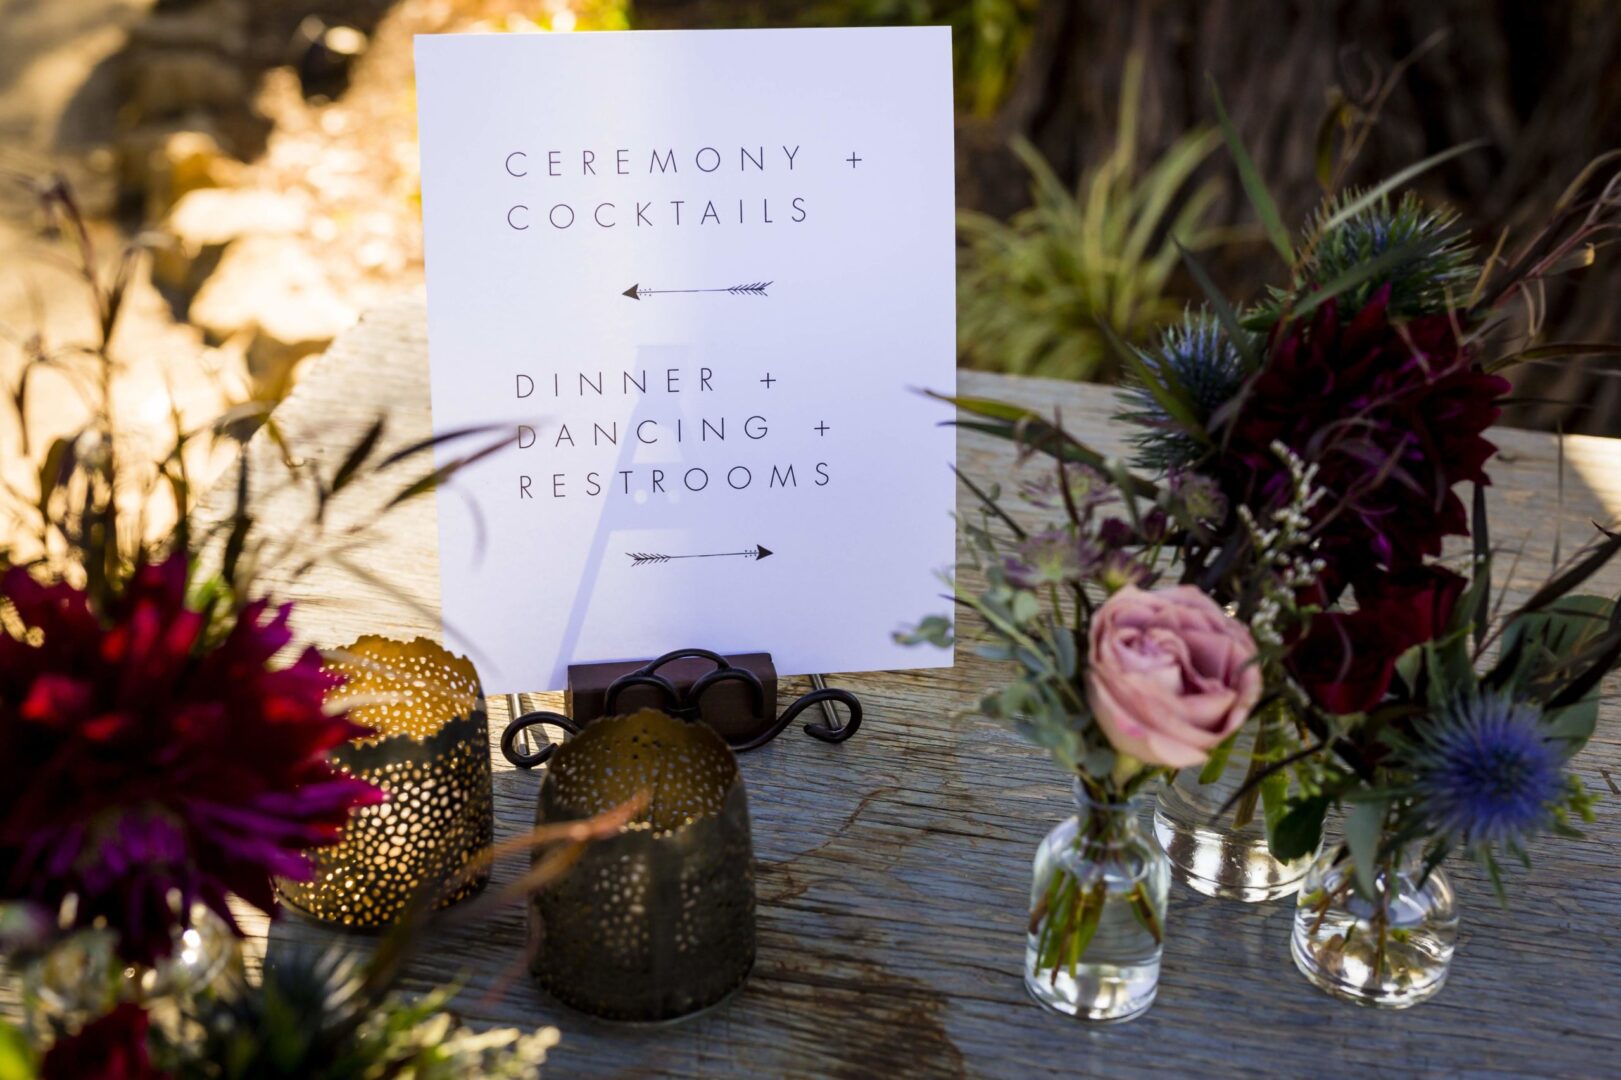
649	558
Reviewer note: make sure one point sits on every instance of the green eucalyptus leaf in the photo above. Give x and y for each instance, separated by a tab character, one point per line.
1016	699
1451	668
1099	761
1573	724
1065	651
1216	763
1495	873
1299	830
1564	625
1364	824
1034	662
1409	664
1539	641
933	630
1275	798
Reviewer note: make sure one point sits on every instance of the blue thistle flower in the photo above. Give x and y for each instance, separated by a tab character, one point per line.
1437	274
1486	773
1196	358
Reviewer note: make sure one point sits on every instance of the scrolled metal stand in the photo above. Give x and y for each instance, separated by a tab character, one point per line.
824	732
688	707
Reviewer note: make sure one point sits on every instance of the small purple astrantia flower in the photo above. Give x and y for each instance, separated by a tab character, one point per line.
1115	532
1088	489
1051	557
1119	569
1200	495
1486	773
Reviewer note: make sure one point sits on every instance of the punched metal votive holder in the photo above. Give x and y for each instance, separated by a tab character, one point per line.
657	922
431	757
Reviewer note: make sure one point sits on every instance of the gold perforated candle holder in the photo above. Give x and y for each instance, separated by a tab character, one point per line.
431	756
657	922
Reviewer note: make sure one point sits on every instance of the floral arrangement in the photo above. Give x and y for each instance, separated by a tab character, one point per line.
1451	748
1274	549
165	739
162	750
1120	675
326	1014
150	768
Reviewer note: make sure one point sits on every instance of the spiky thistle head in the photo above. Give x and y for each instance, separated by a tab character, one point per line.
1487	775
1436	275
1195	359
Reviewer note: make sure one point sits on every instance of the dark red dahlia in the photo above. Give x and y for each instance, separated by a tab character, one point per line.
146	766
1392	413
111	1047
1347	659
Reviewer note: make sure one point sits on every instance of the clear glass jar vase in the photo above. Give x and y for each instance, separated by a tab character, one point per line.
1392	951
1225	854
1097	914
82	976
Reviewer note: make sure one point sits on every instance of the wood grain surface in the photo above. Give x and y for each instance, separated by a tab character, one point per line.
894	868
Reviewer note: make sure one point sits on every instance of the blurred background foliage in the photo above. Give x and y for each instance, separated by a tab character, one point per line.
262	155
988	37
1035	293
1301	79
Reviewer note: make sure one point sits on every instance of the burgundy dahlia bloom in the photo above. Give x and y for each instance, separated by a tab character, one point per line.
111	1047
148	765
1347	659
1391	413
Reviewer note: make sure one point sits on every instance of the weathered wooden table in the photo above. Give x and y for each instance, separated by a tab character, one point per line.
894	869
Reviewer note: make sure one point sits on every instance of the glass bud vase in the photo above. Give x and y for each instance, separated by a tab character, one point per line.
82	976
1097	914
1392	951
1225	854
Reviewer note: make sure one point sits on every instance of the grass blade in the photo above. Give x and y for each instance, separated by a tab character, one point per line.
1266	208
990	504
1582	569
1555	351
1173	399
1030	429
1394	181
1220	307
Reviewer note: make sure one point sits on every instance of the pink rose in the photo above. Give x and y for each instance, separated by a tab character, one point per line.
1170	676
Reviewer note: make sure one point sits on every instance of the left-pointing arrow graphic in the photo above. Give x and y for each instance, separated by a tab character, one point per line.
648	558
753	288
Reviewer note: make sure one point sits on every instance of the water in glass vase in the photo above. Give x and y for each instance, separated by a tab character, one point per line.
1393	951
1097	915
1224	853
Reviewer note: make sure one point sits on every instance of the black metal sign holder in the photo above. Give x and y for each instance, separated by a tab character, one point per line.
687	704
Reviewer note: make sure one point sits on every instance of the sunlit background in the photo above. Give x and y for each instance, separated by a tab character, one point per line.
262	156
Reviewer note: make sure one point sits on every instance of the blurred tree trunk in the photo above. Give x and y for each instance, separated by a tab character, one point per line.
1540	81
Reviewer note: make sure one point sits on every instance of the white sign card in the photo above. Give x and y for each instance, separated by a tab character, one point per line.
704	274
